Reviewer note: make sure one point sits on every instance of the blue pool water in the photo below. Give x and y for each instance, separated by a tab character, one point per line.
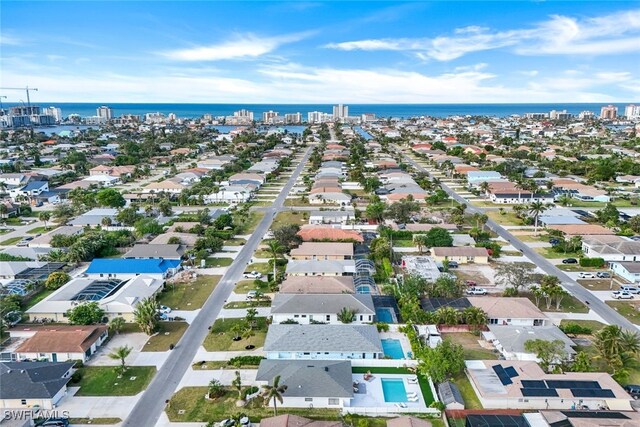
392	348
393	390
384	314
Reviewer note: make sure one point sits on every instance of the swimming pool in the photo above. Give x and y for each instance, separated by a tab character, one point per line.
393	390
392	348
384	314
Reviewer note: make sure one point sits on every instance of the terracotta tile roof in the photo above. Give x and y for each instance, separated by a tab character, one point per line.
320	233
62	339
581	229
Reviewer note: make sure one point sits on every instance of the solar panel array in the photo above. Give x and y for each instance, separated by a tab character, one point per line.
592	392
572	384
533	384
511	371
539	392
503	376
540	388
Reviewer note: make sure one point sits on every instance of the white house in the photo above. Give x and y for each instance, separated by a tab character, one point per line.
28	385
611	248
308	308
510	311
59	343
323	342
332	217
629	271
510	340
312	267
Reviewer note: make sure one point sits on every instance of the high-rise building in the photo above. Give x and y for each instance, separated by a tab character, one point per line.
293	118
318	117
584	115
340	111
268	116
244	113
559	115
536	116
632	111
609	112
24	110
368	117
104	112
55	112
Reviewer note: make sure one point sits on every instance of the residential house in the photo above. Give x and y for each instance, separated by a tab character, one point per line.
629	271
321	267
44	240
309	308
317	383
123	269
29	191
331	217
329	197
153	251
166	186
59	343
582	230
510	340
461	254
247	178
324	233
611	248
290	420
95	218
33	384
118	298
323	342
475	178
518	384
518	311
317	285
323	251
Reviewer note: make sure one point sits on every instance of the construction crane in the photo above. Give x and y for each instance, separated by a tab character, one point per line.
26	89
1	108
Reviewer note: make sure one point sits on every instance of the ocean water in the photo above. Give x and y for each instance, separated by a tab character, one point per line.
380	110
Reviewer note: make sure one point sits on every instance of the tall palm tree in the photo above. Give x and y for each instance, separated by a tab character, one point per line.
146	315
616	347
44	217
475	317
116	324
485	187
274	391
536	209
121	353
275	250
447	316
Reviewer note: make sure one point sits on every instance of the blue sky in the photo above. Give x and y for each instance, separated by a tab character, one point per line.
322	52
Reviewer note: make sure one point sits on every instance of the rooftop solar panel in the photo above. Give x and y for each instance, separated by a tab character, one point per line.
504	378
539	392
586	392
573	384
511	371
596	414
533	384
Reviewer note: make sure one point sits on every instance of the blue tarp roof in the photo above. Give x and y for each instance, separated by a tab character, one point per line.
132	266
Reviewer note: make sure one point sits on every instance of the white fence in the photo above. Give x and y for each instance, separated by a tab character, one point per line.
385	363
389	412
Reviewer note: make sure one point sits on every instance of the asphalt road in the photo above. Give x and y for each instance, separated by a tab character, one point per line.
150	406
574	288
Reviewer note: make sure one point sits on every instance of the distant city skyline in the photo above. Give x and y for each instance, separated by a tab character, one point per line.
322	52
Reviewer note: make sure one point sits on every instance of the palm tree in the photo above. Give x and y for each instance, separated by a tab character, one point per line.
485	187
447	316
564	200
146	315
536	209
346	315
3	210
121	353
616	347
475	317
44	217
275	249
237	384
116	324
275	392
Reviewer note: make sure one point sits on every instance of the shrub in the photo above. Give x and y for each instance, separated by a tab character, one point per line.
592	262
382	327
76	377
575	329
240	361
510	292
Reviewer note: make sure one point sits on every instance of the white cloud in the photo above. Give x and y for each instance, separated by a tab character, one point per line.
240	47
9	40
560	35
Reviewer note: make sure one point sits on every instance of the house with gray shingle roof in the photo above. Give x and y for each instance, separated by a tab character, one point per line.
323	342
305	308
317	383
27	384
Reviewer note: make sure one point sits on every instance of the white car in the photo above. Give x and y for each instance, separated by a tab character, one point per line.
587	276
252	275
251	294
622	295
164	309
476	291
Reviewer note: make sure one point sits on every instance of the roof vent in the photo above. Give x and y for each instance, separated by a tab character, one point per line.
326	369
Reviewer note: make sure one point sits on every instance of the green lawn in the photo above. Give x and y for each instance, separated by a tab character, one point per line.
244	286
404	243
103	381
576	267
469	343
38	230
188	296
296	201
253	221
169	333
235	242
220	337
470	397
594	325
599	284
197	408
423	381
260	267
247	304
36	298
290	217
11	241
550	253
630	310
509	218
218	262
569	305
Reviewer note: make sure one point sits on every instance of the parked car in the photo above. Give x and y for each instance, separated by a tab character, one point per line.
470	282
252	275
476	291
164	309
633	390
603	275
569	261
251	294
587	276
621	295
630	289
453	264
554	241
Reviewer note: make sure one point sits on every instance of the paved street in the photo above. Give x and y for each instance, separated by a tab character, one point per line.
584	295
148	409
